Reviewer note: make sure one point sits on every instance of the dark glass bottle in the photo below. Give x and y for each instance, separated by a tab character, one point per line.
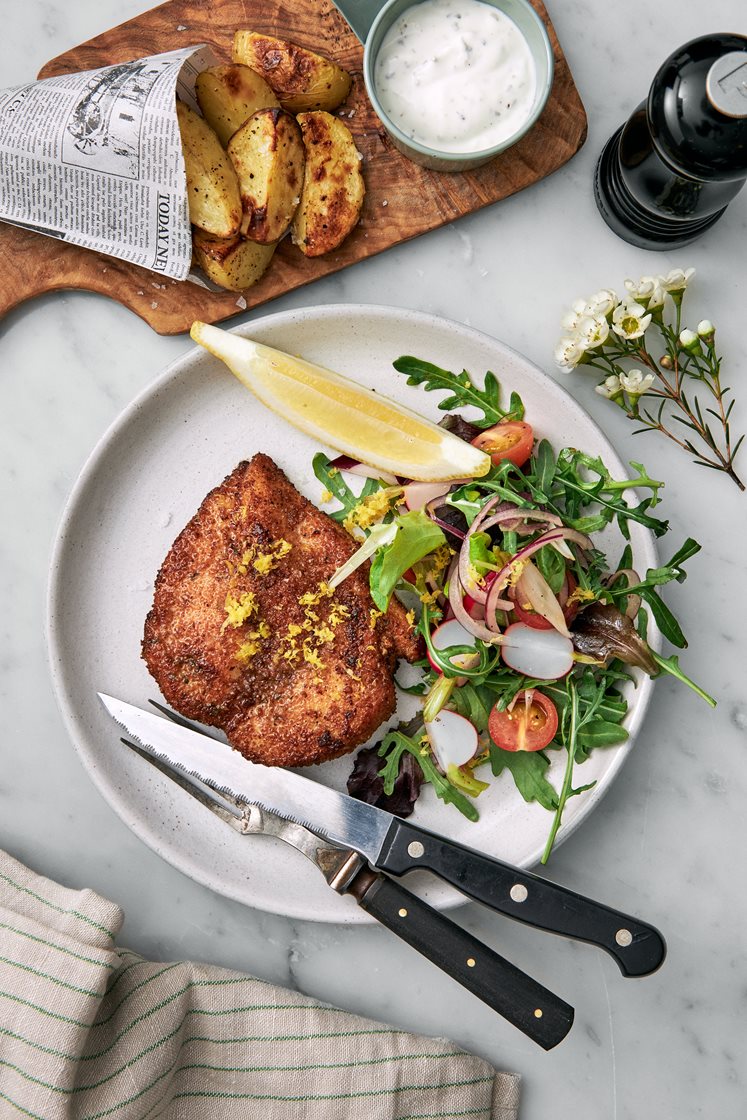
670	171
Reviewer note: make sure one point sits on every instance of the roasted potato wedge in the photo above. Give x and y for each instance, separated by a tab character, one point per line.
268	154
228	95
232	262
301	79
212	185
333	186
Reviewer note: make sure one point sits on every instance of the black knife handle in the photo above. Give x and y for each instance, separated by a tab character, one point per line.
540	1014
638	948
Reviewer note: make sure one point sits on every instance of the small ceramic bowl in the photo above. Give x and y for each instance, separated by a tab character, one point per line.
532	28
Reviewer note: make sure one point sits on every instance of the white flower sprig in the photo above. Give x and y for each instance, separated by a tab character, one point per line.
605	330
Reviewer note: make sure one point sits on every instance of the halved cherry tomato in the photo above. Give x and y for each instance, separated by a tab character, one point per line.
511	439
471	605
529	726
531	618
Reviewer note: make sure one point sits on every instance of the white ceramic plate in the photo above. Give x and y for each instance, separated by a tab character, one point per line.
146	479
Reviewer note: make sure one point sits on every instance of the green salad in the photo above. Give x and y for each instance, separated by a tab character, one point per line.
528	628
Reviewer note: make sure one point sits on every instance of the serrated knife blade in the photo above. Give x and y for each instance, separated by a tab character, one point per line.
393	845
330	814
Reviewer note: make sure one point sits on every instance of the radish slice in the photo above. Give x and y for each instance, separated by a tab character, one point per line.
452	633
544	654
418	494
453	739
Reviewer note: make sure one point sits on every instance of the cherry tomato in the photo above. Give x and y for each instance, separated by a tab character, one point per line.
511	439
529	726
531	618
471	605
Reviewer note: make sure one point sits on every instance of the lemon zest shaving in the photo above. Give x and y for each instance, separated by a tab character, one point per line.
239	610
581	595
373	508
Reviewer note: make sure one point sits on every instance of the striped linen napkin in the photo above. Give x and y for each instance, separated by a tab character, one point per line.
89	1031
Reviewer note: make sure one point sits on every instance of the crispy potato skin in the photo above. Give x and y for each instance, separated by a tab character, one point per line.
212	185
333	187
234	263
274	711
268	154
301	78
228	95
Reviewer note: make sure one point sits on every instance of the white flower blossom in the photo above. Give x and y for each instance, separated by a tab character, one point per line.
635	382
572	318
647	290
569	352
689	341
601	303
630	320
656	299
706	329
608	388
676	280
592	331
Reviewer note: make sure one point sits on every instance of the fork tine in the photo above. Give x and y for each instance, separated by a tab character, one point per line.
216	802
183	721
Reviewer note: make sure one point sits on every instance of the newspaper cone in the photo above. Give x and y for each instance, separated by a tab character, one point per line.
95	158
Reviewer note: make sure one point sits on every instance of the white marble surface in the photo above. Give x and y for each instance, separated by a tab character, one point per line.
666	841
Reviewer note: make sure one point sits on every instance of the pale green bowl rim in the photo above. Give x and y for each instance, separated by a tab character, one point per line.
545	61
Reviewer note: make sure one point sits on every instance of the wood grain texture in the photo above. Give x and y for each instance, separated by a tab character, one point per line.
402	200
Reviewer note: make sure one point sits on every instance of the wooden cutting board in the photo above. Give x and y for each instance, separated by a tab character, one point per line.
402	200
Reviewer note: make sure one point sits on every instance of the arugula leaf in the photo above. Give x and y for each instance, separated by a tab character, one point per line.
416	536
598	733
332	479
544	466
463	391
528	771
665	620
552	565
671	665
396	742
474	702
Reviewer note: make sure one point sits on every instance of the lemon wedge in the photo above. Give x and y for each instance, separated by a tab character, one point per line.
342	414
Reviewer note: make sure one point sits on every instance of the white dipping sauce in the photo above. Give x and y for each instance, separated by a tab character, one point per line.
455	75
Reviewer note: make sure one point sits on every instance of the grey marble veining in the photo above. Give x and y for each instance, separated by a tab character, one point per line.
666	840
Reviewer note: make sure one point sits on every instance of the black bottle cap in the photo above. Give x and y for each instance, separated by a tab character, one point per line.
697	108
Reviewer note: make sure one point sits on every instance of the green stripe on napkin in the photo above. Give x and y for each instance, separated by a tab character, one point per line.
91	1032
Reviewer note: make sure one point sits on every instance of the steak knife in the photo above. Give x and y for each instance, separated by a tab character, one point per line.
393	845
537	1012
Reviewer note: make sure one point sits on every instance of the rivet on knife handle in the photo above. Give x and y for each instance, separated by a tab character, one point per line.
638	948
541	1015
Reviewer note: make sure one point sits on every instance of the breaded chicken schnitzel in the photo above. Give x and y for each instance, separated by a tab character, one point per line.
244	633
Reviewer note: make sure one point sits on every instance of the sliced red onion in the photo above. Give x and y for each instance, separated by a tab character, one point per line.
354	466
544	654
469	585
453	738
634	601
494	504
446	526
533	587
493	601
517	514
474	625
